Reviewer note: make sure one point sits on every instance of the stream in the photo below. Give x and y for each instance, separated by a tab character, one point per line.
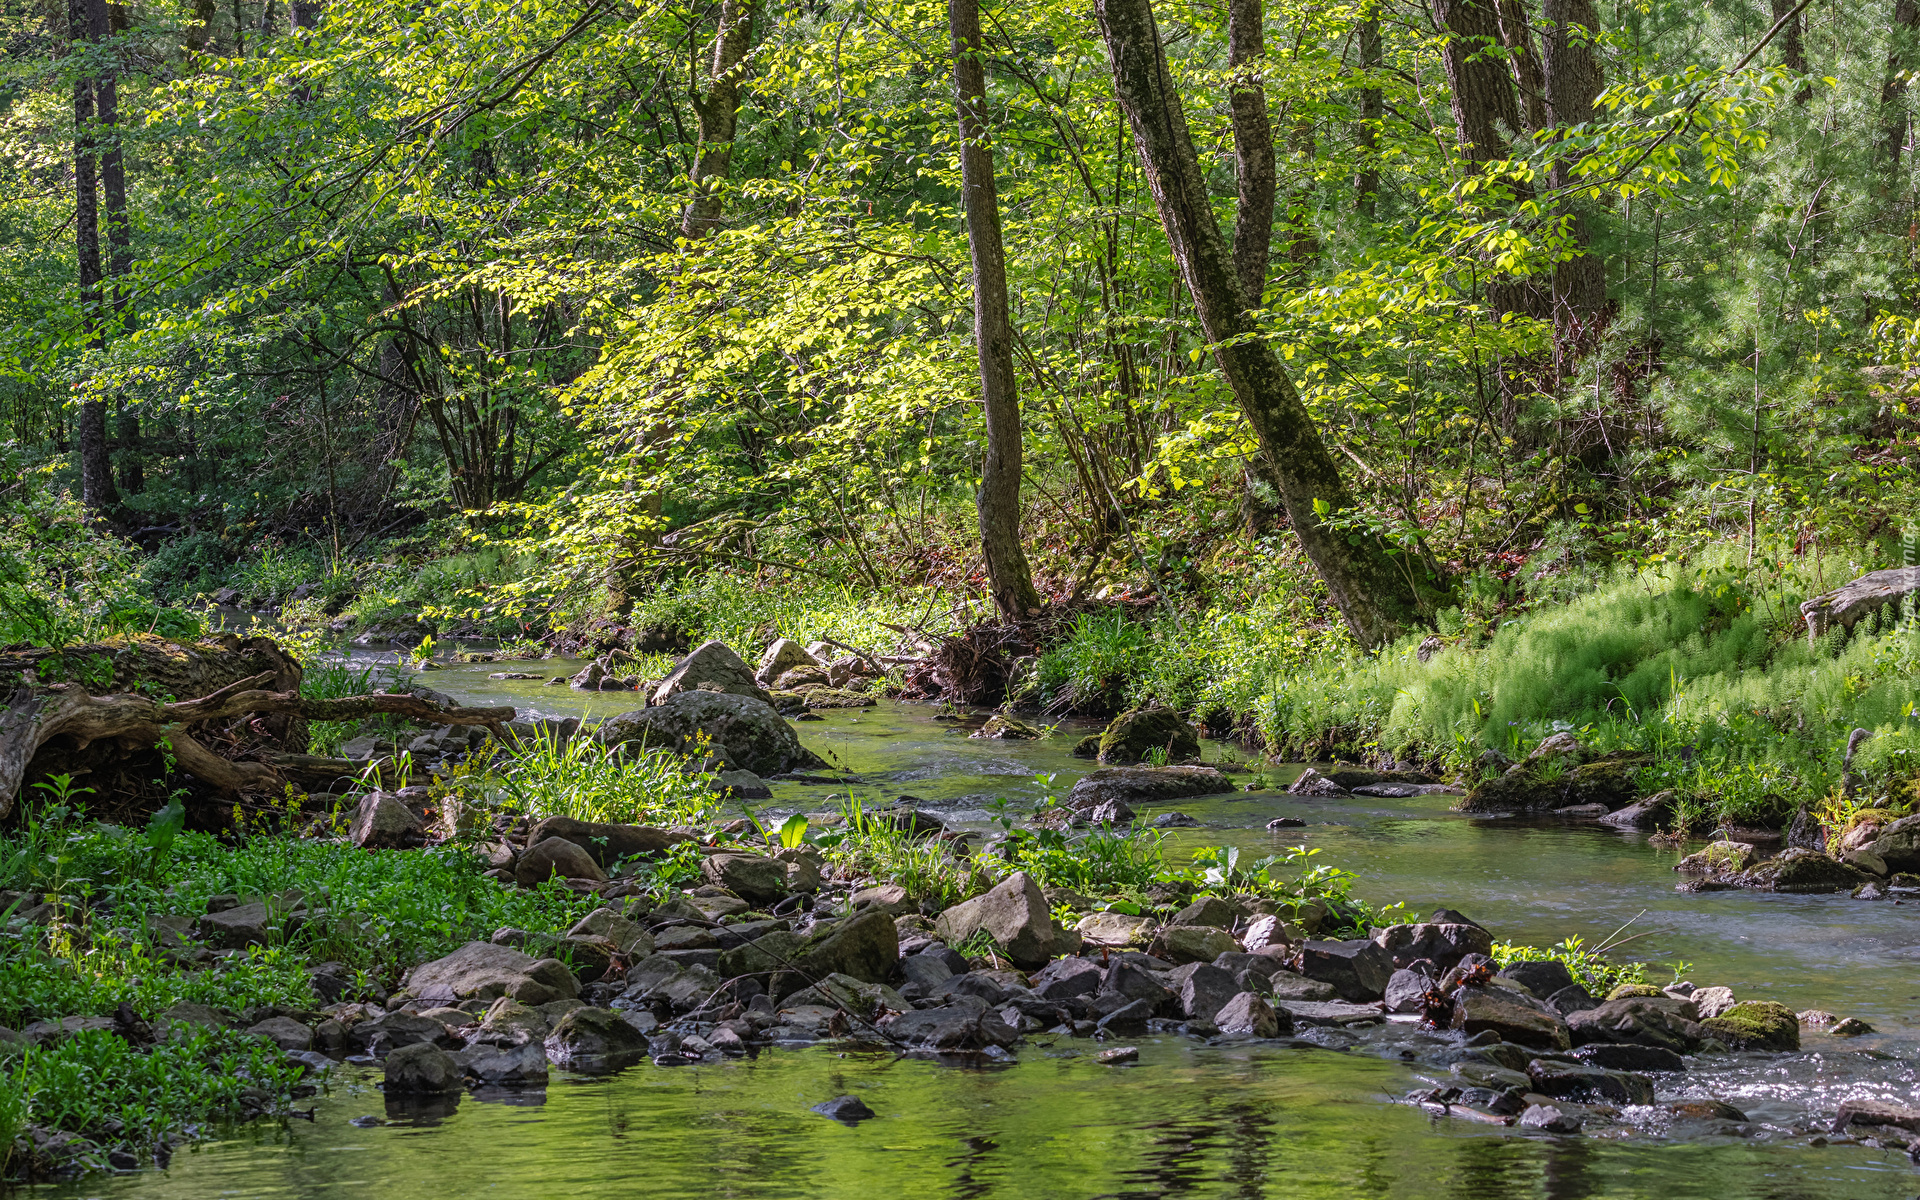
1245	1120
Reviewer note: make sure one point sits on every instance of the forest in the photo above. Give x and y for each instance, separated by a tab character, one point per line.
1034	464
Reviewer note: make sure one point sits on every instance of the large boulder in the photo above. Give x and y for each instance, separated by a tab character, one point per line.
1358	970
1194	943
1015	915
593	1035
606	843
865	946
749	876
1204	989
1898	844
1845	606
1143	785
1444	945
1803	872
484	971
1116	930
710	667
1533	786
384	822
1543	979
782	656
754	737
1508	1014
1756	1025
556	856
1662	1021
422	1069
1643	814
1585	1081
1132	735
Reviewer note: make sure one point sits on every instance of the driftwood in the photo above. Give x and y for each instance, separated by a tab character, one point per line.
36	715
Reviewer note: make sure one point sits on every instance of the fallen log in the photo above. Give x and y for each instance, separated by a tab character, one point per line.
36	715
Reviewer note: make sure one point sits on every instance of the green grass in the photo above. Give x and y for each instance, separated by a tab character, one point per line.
587	781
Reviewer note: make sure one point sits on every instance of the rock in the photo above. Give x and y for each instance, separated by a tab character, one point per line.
1173	820
1014	913
1643	814
1203	989
1543	979
754	736
1268	930
1116	929
1002	726
889	898
1843	607
1313	783
422	1069
864	1000
773	951
522	1065
1865	860
484	971
782	656
1608	780
1627	1057
1581	811
1144	785
951	1030
507	1023
52	1033
1876	1113
1065	977
1850	1027
1133	981
1406	991
587	1035
1286	823
1357	969
588	678
1756	1025
1132	735
1580	1081
1289	986
1802	872
1118	1056
284	1032
741	785
1570	1000
247	925
1898	844
847	1109
1247	1015
1642	1020
607	843
390	1031
1508	1014
1086	747
1705	1110
748	876
1127	1020
1712	1001
865	946
1208	910
1333	1014
1194	943
711	667
1548	1119
622	935
383	822
1444	945
1719	858
556	856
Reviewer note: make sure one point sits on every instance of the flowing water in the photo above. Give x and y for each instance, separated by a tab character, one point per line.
1188	1120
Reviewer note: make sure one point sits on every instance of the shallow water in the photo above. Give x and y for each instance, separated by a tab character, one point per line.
1266	1121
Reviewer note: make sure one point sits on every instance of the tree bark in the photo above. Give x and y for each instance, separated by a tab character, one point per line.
87	21
1573	84
1254	171
1373	591
717	110
1793	39
1366	184
1529	76
1893	91
1008	575
1484	111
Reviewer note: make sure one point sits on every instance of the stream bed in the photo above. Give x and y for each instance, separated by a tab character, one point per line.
1244	1120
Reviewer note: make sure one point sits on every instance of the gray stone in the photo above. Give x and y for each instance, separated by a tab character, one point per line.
593	1035
927	970
1291	985
508	1023
1358	969
1135	982
1712	1001
556	856
865	946
1570	1000
782	656
1643	814
484	971
422	1069
1477	1010
889	898
1332	1013
284	1032
1204	990
1313	783
710	667
1641	1020
1015	915
384	822
1898	844
1614	1056
522	1065
1247	1015
1580	1081
1132	735
1876	1113
1443	945
1406	991
1548	1119
1115	929
1065	977
1144	785
952	1029
742	785
748	876
1194	943
621	935
846	1109
1208	910
1543	978
752	735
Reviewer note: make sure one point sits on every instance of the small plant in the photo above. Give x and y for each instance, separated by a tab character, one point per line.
1156	756
15	1105
792	833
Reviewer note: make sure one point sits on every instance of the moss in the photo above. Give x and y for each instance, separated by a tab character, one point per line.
1756	1025
1634	989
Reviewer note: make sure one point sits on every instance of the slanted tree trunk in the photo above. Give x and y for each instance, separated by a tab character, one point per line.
1008	575
1573	83
1254	172
1893	91
1372	590
717	110
1366	184
87	21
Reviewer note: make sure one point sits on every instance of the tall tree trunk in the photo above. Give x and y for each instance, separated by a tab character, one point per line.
1793	39
1573	82
200	29
113	191
1529	77
1375	593
1254	172
1008	575
87	21
713	158
1366	184
1893	91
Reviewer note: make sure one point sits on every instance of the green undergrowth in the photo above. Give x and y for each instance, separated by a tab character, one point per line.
582	779
1590	968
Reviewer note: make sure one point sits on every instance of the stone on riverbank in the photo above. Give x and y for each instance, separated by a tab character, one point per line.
383	822
1247	1015
1116	929
1898	844
1643	814
1756	1025
1444	945
1579	1081
710	667
596	1036
484	971
1643	1020
556	856
951	1030
1843	607
1006	728
1802	872
1144	785
422	1069
1181	944
752	734
1509	1014
605	842
1136	733
751	877
1358	970
782	656
1015	915
865	946
1876	1112
1543	978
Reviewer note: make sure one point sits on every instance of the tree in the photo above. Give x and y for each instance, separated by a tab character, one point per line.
1573	82
94	102
1252	149
1373	592
1008	576
1893	90
713	158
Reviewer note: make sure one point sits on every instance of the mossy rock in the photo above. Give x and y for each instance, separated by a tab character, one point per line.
1756	1025
822	697
1533	786
1138	732
1804	872
1087	747
1634	989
